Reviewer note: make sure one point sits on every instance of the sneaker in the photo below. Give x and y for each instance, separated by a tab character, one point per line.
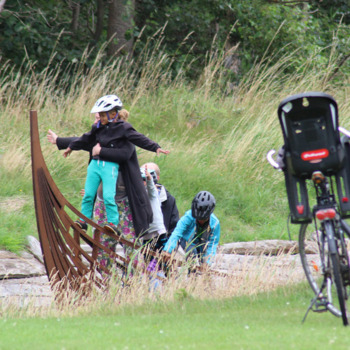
82	224
112	227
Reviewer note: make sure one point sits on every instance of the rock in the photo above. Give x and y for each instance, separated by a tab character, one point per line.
34	247
281	269
23	291
23	277
268	247
19	266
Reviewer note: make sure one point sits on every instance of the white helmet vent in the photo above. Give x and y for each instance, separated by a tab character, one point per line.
106	104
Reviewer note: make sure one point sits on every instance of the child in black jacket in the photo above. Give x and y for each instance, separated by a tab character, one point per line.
109	134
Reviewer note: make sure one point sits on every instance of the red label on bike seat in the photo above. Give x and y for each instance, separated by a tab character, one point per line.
300	209
315	154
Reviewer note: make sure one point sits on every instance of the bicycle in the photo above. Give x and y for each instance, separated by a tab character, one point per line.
313	151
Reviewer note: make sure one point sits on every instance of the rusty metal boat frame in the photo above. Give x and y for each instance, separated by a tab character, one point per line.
60	238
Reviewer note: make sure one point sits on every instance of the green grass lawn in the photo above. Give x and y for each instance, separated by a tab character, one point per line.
266	321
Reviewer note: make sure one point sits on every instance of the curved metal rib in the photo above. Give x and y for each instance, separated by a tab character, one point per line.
65	260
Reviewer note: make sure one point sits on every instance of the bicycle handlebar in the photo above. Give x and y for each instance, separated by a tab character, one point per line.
270	159
344	131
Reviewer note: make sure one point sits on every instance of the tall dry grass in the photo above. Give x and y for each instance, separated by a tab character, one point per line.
218	136
253	275
63	99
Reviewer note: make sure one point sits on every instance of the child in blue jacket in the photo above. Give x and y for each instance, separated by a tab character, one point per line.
200	228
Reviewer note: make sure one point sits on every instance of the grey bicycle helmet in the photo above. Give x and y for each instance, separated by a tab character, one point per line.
107	103
203	205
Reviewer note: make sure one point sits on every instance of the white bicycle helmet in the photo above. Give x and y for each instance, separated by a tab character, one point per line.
107	103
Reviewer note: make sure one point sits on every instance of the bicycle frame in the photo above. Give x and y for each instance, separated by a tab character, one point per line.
330	278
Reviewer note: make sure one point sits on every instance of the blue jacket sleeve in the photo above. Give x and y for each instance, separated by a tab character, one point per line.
183	230
213	241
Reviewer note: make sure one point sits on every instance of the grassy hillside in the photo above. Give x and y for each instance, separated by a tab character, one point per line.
218	136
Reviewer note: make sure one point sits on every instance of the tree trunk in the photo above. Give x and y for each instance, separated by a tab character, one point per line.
100	15
120	26
2	4
75	6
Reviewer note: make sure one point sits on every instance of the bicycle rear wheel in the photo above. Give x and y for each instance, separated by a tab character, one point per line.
310	256
318	268
340	288
336	271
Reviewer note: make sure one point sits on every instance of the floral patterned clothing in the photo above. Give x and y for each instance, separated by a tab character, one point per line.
125	226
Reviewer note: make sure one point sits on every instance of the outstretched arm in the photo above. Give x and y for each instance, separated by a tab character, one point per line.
182	230
60	142
117	155
160	150
212	245
141	140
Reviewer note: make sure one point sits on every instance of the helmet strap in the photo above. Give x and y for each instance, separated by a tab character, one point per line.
113	119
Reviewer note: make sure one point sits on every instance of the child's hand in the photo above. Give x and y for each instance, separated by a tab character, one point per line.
166	254
82	192
97	118
67	152
148	175
96	150
51	137
159	150
203	268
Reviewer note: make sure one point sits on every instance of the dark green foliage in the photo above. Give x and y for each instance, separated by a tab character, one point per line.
335	10
43	31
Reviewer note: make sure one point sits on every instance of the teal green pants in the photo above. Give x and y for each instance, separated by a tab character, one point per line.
107	172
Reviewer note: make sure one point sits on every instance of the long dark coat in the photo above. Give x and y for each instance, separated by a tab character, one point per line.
123	152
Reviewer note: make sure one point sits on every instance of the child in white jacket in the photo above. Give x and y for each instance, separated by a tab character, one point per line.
157	228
